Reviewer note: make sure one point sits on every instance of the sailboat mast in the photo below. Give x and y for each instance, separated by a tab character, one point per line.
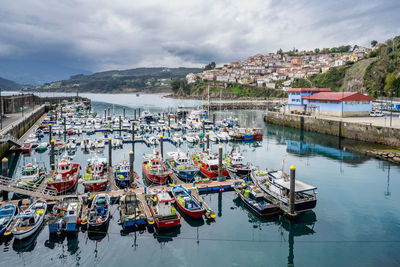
208	111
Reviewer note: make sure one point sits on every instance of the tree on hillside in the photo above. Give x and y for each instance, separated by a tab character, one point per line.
374	43
301	83
316	50
279	52
175	85
210	66
392	84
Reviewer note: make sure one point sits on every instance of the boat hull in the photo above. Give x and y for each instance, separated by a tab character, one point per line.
99	185
272	210
193	214
155	178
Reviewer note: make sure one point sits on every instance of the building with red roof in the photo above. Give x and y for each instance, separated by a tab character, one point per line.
325	102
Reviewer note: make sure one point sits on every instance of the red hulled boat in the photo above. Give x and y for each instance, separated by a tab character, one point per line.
161	208
65	176
95	179
155	170
208	164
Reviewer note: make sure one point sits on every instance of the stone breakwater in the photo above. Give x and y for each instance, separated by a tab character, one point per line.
385	155
357	131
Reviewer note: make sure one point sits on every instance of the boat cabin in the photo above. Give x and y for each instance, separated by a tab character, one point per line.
164	203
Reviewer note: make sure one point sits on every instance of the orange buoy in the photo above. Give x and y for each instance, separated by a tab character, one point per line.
78	221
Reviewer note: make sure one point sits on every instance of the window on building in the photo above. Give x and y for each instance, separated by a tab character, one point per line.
334	102
323	101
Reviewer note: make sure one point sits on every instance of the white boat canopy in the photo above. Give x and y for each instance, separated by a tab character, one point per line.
299	186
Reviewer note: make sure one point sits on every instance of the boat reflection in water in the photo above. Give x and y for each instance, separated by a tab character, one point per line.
72	241
27	244
302	226
166	236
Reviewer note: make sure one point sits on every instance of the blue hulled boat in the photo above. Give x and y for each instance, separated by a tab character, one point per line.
66	214
181	164
7	213
130	213
122	175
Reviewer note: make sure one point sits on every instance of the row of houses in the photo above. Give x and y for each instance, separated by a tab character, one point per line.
270	68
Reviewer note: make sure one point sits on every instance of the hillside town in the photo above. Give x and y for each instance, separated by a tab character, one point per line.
266	70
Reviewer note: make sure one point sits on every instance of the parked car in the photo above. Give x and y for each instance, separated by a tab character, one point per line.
376	114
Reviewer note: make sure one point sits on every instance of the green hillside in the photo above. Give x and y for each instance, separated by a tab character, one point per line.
132	80
368	75
9	85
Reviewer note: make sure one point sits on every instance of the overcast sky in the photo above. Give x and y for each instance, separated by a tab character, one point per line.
115	34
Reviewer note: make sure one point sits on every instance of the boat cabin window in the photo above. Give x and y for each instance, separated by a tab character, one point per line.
29	172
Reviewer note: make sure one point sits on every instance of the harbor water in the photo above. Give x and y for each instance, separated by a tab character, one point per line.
356	221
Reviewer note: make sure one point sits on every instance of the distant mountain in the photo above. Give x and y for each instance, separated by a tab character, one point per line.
35	72
9	85
132	80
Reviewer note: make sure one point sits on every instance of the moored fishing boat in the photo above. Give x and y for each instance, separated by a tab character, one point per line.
27	147
255	199
7	213
276	184
95	179
164	213
30	220
186	203
208	164
31	176
235	165
130	212
181	164
66	214
154	169
42	147
65	176
122	178
99	212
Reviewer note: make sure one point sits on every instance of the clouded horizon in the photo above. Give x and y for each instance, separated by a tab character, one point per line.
103	35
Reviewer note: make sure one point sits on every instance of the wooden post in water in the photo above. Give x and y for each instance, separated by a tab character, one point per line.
292	190
65	125
169	120
204	129
163	115
131	167
135	113
4	167
105	114
109	152
52	161
50	133
213	117
133	132
120	123
109	112
139	112
124	112
162	146
220	161
208	140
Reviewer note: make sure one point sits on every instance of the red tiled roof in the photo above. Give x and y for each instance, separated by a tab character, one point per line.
306	90
339	96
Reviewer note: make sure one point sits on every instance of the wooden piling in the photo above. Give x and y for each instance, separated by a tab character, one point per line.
109	152
208	140
50	133
162	146
133	132
131	167
220	161
52	159
4	167
292	189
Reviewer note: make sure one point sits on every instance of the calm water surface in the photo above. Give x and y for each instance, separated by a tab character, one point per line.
356	221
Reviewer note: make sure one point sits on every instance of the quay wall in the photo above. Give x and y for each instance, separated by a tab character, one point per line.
357	131
257	105
13	103
19	127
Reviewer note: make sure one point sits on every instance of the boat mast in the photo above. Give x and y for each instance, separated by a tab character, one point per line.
208	111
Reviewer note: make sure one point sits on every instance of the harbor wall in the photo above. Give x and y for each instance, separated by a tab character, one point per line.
357	131
14	103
